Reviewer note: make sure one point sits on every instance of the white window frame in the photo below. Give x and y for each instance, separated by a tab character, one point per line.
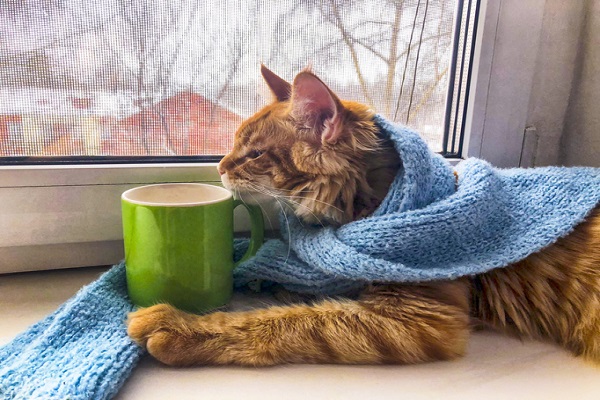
506	51
69	216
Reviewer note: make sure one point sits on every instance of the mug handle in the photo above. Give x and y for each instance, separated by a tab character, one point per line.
257	229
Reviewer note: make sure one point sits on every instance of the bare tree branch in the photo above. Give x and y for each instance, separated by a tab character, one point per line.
427	39
427	94
353	54
370	48
392	59
406	62
412	92
57	42
372	22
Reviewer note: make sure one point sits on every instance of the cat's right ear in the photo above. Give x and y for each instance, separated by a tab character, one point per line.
316	108
279	87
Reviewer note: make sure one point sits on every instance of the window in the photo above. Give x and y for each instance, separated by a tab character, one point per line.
168	78
98	97
461	69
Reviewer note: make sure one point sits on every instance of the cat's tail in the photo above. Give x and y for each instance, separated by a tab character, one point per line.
551	295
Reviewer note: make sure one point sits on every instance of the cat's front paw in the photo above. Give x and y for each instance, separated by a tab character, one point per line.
167	333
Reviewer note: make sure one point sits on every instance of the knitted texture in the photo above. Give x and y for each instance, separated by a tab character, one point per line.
428	227
81	351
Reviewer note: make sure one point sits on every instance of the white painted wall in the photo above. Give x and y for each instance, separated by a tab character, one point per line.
580	143
537	94
554	76
506	58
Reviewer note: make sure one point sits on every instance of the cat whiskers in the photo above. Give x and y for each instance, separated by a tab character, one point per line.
263	190
241	198
290	199
261	208
236	195
287	222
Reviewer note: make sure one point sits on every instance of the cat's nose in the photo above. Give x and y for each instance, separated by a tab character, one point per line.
220	169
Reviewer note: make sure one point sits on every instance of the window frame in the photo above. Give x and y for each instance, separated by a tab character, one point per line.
69	232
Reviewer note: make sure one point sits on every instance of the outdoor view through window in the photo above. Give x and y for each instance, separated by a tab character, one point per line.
176	77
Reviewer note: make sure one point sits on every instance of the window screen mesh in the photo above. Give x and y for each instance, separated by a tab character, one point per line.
176	77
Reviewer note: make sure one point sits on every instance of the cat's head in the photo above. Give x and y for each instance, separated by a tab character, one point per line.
307	148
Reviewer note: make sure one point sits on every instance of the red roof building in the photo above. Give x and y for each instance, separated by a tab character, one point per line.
63	123
185	124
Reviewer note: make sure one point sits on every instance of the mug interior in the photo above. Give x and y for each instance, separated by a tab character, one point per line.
176	194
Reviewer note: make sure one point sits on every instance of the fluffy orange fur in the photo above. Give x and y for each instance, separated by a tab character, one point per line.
321	156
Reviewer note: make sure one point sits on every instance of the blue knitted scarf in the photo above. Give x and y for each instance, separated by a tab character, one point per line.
430	226
79	352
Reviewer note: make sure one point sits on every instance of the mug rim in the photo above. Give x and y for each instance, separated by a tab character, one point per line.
226	195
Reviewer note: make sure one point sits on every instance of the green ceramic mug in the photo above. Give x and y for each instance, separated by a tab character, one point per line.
179	244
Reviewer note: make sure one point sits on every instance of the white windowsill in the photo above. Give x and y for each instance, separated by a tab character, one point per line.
105	174
70	216
495	366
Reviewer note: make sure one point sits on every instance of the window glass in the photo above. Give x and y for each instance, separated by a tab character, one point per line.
176	77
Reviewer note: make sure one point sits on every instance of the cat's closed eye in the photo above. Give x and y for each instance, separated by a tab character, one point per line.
252	154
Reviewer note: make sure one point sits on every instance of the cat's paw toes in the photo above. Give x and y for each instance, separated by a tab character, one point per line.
168	348
166	332
145	322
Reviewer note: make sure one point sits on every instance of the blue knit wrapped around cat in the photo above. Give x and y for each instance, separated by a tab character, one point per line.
430	225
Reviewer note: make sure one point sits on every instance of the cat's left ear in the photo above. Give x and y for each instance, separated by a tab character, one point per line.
280	88
315	107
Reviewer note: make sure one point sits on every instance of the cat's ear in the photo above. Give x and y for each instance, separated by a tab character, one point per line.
280	88
316	107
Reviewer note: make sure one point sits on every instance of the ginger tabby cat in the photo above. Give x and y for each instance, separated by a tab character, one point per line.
324	153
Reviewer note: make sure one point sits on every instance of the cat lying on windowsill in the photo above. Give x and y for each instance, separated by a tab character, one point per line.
326	158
